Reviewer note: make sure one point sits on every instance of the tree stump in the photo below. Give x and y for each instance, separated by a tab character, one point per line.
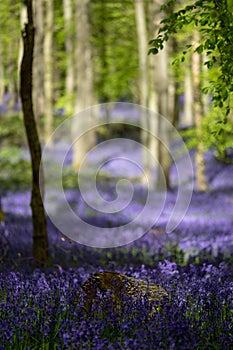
120	287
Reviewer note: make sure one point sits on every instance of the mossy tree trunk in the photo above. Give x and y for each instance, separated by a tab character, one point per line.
40	238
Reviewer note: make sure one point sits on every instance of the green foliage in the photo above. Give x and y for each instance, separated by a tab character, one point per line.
10	34
69	178
115	52
115	49
215	23
217	133
15	170
12	131
190	137
64	101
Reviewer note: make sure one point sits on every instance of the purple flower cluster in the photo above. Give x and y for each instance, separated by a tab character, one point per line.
39	310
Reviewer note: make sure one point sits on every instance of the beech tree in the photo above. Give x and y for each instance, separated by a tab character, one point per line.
38	61
214	21
140	16
84	97
198	114
159	94
69	46
48	68
40	238
188	119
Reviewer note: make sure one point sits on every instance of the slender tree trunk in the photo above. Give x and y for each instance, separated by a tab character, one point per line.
11	66
48	68
23	20
142	50
162	104
152	93
2	61
173	90
84	78
198	112
188	119
69	83
164	154
140	17
205	77
105	69
2	218
38	63
2	80
40	239
176	105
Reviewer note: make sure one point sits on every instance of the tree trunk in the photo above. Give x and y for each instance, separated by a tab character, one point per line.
164	154
84	78
40	239
48	68
2	81
152	92
11	64
69	83
188	118
2	218
198	112
38	64
2	63
161	87
173	90
146	138
142	50
176	105
23	20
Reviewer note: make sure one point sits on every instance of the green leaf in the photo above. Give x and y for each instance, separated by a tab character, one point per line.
153	51
199	49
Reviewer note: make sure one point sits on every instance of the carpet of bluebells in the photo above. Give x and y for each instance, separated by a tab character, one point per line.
39	307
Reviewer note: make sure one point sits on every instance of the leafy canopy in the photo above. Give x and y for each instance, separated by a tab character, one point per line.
214	19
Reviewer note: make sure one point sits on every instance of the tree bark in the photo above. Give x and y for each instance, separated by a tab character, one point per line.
2	73
11	63
84	77
38	64
2	60
188	119
40	238
23	20
161	87
198	112
2	218
142	51
69	83
140	17
48	68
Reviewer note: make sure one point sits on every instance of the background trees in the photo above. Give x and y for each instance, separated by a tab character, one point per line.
90	51
40	239
213	22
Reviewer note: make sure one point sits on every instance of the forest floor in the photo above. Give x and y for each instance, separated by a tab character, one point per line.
193	263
